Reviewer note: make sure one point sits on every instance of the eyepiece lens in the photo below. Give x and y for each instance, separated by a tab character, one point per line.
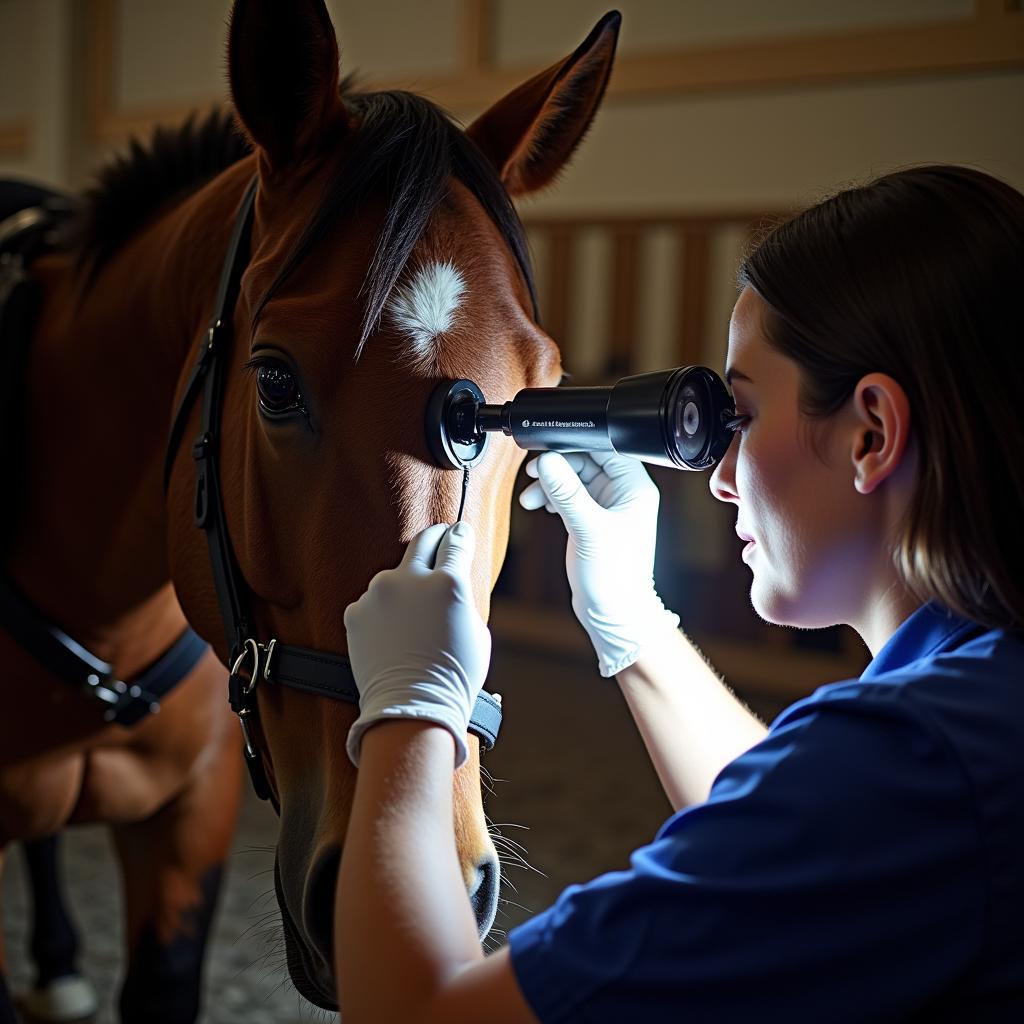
694	403
689	432
691	419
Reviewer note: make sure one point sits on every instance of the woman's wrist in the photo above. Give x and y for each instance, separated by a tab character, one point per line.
619	640
450	719
395	734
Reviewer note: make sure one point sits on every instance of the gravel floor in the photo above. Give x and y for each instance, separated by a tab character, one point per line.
572	775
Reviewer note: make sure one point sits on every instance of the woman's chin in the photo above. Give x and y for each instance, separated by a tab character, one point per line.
773	607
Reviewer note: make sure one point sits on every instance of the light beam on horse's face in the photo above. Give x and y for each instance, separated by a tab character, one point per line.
320	500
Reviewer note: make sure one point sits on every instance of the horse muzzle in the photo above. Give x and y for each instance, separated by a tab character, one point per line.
309	935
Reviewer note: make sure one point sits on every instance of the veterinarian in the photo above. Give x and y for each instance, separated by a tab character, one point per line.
862	860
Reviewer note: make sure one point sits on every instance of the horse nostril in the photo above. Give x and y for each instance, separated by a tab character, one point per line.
484	894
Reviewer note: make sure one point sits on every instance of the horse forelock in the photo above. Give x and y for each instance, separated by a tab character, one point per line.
408	149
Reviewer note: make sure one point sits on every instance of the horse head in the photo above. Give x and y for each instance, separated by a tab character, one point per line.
385	256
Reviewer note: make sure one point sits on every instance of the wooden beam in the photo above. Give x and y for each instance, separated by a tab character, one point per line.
15	137
691	313
557	288
992	40
624	288
602	220
475	48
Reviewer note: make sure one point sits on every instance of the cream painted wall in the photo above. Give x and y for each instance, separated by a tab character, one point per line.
784	146
657	24
741	148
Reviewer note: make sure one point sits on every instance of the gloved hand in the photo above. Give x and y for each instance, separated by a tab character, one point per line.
610	509
418	646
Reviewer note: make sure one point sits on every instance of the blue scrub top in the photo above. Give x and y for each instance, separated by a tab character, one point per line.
863	863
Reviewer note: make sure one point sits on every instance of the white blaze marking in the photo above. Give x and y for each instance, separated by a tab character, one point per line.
425	307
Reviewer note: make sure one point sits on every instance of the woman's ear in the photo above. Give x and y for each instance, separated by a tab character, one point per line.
531	133
283	71
882	412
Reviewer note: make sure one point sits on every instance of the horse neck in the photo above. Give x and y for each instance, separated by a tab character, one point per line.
102	377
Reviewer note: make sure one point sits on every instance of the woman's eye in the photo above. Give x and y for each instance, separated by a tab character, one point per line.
277	388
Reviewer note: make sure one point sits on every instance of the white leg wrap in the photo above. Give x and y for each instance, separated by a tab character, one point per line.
63	1000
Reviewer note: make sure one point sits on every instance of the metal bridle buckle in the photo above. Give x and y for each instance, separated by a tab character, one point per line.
266	664
251	648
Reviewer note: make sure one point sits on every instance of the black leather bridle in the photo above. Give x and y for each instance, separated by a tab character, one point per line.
317	672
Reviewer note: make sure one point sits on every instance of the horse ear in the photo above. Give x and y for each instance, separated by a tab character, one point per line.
531	133
283	70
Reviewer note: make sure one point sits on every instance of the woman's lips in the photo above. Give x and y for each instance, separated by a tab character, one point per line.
751	543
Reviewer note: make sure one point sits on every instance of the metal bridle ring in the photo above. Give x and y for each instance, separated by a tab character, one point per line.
251	647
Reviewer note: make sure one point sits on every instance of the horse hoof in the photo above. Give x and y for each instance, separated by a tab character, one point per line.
62	1001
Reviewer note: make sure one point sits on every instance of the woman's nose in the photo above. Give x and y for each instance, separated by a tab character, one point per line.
723	477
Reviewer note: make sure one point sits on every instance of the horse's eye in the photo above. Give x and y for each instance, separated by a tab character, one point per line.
277	389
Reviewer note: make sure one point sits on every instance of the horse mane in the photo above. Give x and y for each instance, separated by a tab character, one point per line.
405	146
136	184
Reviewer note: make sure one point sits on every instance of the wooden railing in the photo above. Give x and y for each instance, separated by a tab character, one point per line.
560	240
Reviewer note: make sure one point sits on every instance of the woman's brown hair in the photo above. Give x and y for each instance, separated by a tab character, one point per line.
920	275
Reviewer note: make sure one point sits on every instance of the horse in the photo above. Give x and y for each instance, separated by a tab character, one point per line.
341	252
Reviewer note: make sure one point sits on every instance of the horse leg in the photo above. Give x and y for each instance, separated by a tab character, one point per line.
59	993
171	867
6	1005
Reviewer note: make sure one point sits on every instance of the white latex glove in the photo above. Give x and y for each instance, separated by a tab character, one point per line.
418	646
610	509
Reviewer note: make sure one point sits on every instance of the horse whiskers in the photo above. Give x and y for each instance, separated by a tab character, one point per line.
507	841
511	903
265	920
270	957
505	881
511	857
266	964
263	897
495	829
319	1013
511	854
523	866
491	778
262	927
281	984
273	961
510	845
508	862
258	874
